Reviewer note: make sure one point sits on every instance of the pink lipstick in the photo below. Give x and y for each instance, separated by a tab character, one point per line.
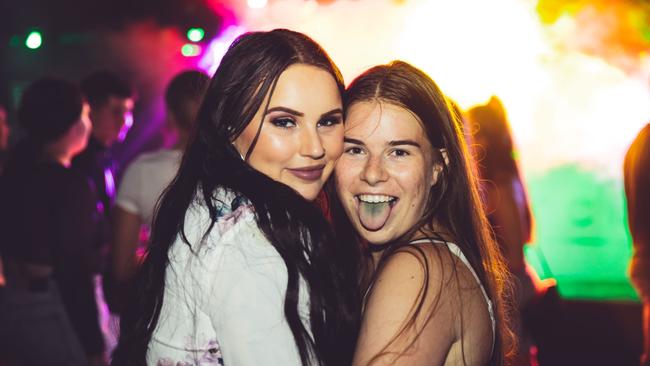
310	173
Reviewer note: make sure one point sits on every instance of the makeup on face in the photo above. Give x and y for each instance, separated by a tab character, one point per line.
386	171
301	134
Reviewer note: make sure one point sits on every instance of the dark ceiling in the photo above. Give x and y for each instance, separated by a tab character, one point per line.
64	17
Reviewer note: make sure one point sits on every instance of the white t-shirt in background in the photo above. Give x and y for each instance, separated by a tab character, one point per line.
144	181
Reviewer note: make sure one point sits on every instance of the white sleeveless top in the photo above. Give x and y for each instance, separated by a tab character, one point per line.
455	249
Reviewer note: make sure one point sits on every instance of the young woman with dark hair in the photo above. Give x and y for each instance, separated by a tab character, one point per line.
242	267
436	279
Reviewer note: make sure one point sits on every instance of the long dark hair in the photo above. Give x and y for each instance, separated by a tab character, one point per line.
454	202
296	228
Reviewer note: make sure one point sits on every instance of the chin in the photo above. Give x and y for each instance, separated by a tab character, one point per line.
308	193
379	237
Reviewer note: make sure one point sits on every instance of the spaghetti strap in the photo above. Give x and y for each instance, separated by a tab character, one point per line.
455	249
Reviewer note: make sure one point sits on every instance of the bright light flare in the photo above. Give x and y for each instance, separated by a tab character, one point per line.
257	4
190	50
34	40
218	48
195	34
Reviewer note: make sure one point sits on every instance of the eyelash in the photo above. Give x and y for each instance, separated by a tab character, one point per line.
283	122
349	150
354	150
401	152
286	122
331	121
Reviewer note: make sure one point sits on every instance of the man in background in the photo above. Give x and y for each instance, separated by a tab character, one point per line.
111	105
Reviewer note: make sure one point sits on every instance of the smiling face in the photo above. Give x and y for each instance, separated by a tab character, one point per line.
386	171
301	135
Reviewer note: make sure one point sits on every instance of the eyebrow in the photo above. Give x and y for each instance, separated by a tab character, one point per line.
353	141
286	110
332	112
300	114
392	143
404	142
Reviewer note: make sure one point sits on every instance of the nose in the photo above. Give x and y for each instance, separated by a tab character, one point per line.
374	171
311	145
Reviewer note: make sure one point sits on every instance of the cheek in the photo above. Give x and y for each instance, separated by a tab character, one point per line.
271	153
275	148
413	182
344	173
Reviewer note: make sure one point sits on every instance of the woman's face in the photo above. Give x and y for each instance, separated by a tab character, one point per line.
302	131
386	171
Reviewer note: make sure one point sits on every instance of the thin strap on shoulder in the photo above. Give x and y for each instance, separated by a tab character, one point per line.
455	249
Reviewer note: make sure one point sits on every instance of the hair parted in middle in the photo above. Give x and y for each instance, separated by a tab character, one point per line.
297	228
454	201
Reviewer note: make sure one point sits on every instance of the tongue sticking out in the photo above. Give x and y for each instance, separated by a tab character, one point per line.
373	216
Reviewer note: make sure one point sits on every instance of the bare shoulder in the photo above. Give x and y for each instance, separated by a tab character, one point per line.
412	315
453	301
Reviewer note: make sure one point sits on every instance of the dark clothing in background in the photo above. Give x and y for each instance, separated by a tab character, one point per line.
48	216
95	164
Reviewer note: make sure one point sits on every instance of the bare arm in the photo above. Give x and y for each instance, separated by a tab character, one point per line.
126	233
386	337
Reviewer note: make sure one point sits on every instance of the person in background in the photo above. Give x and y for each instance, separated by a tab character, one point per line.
111	105
507	207
48	224
636	169
4	137
144	181
4	147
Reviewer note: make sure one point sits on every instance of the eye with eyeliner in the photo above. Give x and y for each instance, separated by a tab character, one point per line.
330	121
283	122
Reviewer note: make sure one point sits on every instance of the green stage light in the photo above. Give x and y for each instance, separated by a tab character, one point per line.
195	34
190	50
34	40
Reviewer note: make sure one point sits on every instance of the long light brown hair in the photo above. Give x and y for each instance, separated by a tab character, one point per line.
454	201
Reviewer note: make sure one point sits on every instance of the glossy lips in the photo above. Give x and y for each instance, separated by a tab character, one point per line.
312	173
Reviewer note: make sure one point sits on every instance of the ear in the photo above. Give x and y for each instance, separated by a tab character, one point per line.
438	167
445	156
435	173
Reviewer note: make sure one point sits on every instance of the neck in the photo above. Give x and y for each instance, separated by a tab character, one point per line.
103	140
54	153
432	230
376	251
181	142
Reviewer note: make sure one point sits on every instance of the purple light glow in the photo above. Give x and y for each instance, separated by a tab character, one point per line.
218	47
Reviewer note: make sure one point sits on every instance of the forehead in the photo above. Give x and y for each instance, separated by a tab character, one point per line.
382	122
304	88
